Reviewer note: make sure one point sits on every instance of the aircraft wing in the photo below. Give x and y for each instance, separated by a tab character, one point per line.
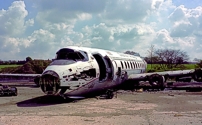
18	77
160	78
180	73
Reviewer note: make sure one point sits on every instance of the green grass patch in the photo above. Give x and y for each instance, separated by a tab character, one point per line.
191	66
5	66
155	67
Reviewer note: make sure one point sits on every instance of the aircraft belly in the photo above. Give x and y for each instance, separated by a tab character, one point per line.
82	89
94	87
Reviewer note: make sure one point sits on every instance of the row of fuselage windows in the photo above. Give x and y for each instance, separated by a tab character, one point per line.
131	65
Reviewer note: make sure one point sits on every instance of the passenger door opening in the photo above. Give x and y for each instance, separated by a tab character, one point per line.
104	66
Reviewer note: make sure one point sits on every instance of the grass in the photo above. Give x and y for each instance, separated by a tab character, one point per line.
182	67
190	66
5	66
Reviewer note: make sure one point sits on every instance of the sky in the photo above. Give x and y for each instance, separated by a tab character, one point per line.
39	28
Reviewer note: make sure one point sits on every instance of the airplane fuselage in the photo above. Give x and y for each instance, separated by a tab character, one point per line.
78	71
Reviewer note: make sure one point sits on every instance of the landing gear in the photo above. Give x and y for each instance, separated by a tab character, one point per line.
109	94
14	91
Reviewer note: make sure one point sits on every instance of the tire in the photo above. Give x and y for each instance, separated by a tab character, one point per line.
15	92
110	94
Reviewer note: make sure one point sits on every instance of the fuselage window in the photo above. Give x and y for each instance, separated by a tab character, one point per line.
134	65
121	64
131	65
128	65
125	64
85	55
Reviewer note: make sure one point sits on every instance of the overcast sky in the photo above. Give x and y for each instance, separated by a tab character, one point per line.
38	28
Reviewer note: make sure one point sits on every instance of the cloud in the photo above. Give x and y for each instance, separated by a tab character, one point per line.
164	36
13	21
119	38
41	44
178	14
156	4
10	47
90	6
41	29
51	11
186	22
129	11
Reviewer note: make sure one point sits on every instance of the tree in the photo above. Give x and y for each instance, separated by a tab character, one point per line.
151	60
151	54
199	64
132	53
197	60
1	62
170	58
28	59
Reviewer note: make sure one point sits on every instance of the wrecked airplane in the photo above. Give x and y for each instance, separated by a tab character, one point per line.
79	72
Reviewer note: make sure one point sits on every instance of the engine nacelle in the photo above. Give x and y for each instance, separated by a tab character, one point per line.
197	75
156	80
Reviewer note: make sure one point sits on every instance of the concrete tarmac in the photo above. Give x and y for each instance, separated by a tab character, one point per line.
172	107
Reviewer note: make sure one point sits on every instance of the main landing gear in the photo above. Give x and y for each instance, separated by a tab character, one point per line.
109	94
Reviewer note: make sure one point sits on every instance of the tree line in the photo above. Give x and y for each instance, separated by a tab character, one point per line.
30	67
167	59
12	62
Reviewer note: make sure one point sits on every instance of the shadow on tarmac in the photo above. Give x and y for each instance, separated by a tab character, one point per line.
44	101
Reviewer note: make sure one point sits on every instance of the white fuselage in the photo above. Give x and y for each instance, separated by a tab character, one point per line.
78	71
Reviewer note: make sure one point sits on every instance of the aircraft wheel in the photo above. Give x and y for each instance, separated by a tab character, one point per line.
14	91
109	94
15	94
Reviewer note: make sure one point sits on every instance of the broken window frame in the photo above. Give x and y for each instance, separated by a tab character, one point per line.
69	54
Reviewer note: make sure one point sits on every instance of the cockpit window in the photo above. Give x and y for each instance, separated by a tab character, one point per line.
62	62
69	54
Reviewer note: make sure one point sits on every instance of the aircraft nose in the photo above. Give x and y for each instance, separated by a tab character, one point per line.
50	82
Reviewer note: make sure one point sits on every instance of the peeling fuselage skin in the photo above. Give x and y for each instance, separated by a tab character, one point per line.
84	77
